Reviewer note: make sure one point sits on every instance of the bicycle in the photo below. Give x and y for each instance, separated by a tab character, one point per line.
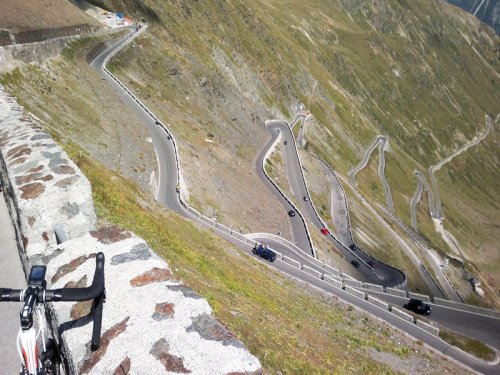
36	294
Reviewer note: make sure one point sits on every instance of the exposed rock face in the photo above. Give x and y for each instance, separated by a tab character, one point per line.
48	185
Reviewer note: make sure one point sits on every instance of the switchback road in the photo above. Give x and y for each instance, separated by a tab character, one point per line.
168	174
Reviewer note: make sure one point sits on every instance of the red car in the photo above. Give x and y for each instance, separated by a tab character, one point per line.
325	231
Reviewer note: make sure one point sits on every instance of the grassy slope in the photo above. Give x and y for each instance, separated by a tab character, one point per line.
403	69
291	328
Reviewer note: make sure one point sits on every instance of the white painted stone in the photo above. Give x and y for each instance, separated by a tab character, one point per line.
199	355
138	303
39	215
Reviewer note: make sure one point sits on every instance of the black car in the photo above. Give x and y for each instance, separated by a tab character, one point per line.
355	263
305	198
291	213
267	254
371	263
352	247
286	142
418	307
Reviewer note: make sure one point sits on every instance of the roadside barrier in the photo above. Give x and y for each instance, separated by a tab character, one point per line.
312	271
315	261
470	308
353	283
377	302
291	261
422	297
373	287
335	277
331	270
396	292
356	292
402	314
428	327
333	281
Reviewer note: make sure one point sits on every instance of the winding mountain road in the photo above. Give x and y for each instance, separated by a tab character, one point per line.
421	186
167	181
381	142
436	167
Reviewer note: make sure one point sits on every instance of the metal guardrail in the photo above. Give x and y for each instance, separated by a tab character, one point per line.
269	151
403	284
237	236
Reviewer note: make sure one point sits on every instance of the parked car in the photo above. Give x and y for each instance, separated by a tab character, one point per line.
418	307
291	213
325	231
371	263
267	254
305	198
355	263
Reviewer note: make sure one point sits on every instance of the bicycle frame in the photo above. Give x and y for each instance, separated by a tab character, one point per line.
27	338
46	362
27	347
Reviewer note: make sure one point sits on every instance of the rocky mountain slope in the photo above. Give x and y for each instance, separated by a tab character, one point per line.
220	83
422	73
487	11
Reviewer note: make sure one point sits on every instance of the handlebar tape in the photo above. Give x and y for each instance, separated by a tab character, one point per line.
85	294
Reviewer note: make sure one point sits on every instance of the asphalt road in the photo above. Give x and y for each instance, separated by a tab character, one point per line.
167	195
297	223
382	273
457	320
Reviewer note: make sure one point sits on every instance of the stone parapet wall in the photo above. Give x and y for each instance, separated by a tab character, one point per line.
32	36
49	188
151	322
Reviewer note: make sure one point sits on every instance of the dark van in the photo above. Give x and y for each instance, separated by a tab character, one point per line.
418	307
267	254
